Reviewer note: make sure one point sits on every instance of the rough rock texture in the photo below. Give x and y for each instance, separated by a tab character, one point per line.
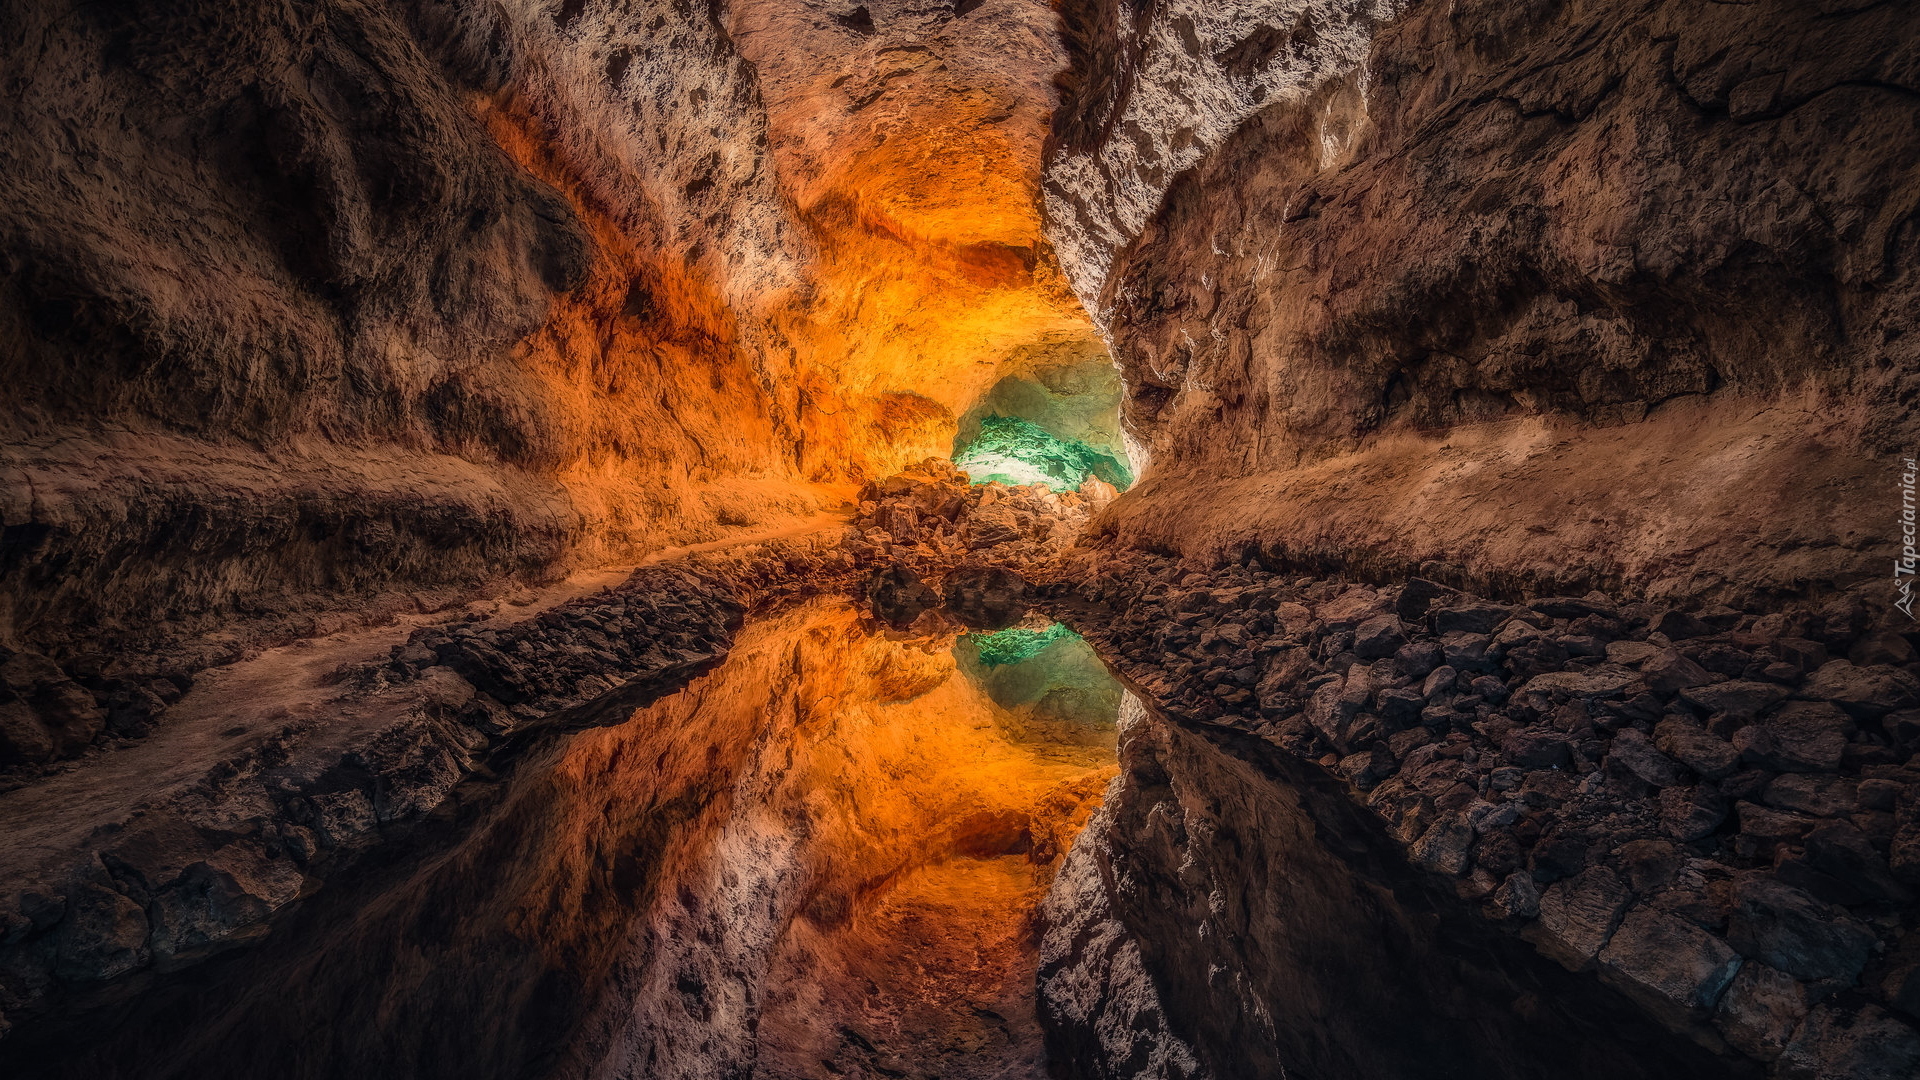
1229	914
908	134
1570	296
1654	800
289	325
1152	88
310	314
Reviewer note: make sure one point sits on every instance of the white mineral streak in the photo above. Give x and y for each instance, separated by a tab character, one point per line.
1184	102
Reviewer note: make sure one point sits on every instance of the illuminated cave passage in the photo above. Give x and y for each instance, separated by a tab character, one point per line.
1054	419
1086	539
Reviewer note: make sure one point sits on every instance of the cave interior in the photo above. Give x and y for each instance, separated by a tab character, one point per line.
959	539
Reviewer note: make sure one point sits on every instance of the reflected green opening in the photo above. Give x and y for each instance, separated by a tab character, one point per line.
1050	685
1010	450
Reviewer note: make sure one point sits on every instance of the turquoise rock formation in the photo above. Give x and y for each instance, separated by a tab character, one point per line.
1011	450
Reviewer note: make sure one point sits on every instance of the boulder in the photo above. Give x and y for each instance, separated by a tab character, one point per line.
986	597
1330	712
1471	618
897	596
1678	625
1632	751
1649	864
221	900
1367	768
1785	928
1760	1010
1812	793
1836	1042
1378	637
1762	830
1517	897
1803	736
103	935
1577	916
1489	689
1416	596
1466	652
1691	813
1629	653
1399	707
1674	969
1601	683
1696	748
1667	673
24	740
1865	692
993	524
1416	659
1738	699
1881	647
1802	653
1537	748
1838	864
71	716
1445	847
1440	678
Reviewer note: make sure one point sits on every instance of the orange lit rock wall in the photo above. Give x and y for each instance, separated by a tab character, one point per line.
359	307
908	136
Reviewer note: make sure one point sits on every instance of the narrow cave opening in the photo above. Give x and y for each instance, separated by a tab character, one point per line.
1053	418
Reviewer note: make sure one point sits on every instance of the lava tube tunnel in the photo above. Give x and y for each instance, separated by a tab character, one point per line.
959	540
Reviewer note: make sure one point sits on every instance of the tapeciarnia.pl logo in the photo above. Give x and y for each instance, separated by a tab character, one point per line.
1903	567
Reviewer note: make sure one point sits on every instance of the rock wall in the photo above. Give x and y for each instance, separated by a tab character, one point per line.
909	136
1576	295
1228	914
1411	830
310	316
306	306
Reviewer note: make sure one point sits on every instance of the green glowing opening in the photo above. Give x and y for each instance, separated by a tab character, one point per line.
1015	451
1015	645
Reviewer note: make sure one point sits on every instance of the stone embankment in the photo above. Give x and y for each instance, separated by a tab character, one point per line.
195	870
1716	813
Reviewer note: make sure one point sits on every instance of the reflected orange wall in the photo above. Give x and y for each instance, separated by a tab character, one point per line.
843	816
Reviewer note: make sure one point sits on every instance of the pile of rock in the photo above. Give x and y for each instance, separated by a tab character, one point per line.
936	553
930	517
658	622
1716	812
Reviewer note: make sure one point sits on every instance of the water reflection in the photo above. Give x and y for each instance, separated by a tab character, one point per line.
820	860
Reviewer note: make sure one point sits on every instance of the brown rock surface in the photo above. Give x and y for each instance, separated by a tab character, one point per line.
1569	297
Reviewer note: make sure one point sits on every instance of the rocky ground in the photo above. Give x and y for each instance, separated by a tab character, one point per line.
1716	812
90	894
983	545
